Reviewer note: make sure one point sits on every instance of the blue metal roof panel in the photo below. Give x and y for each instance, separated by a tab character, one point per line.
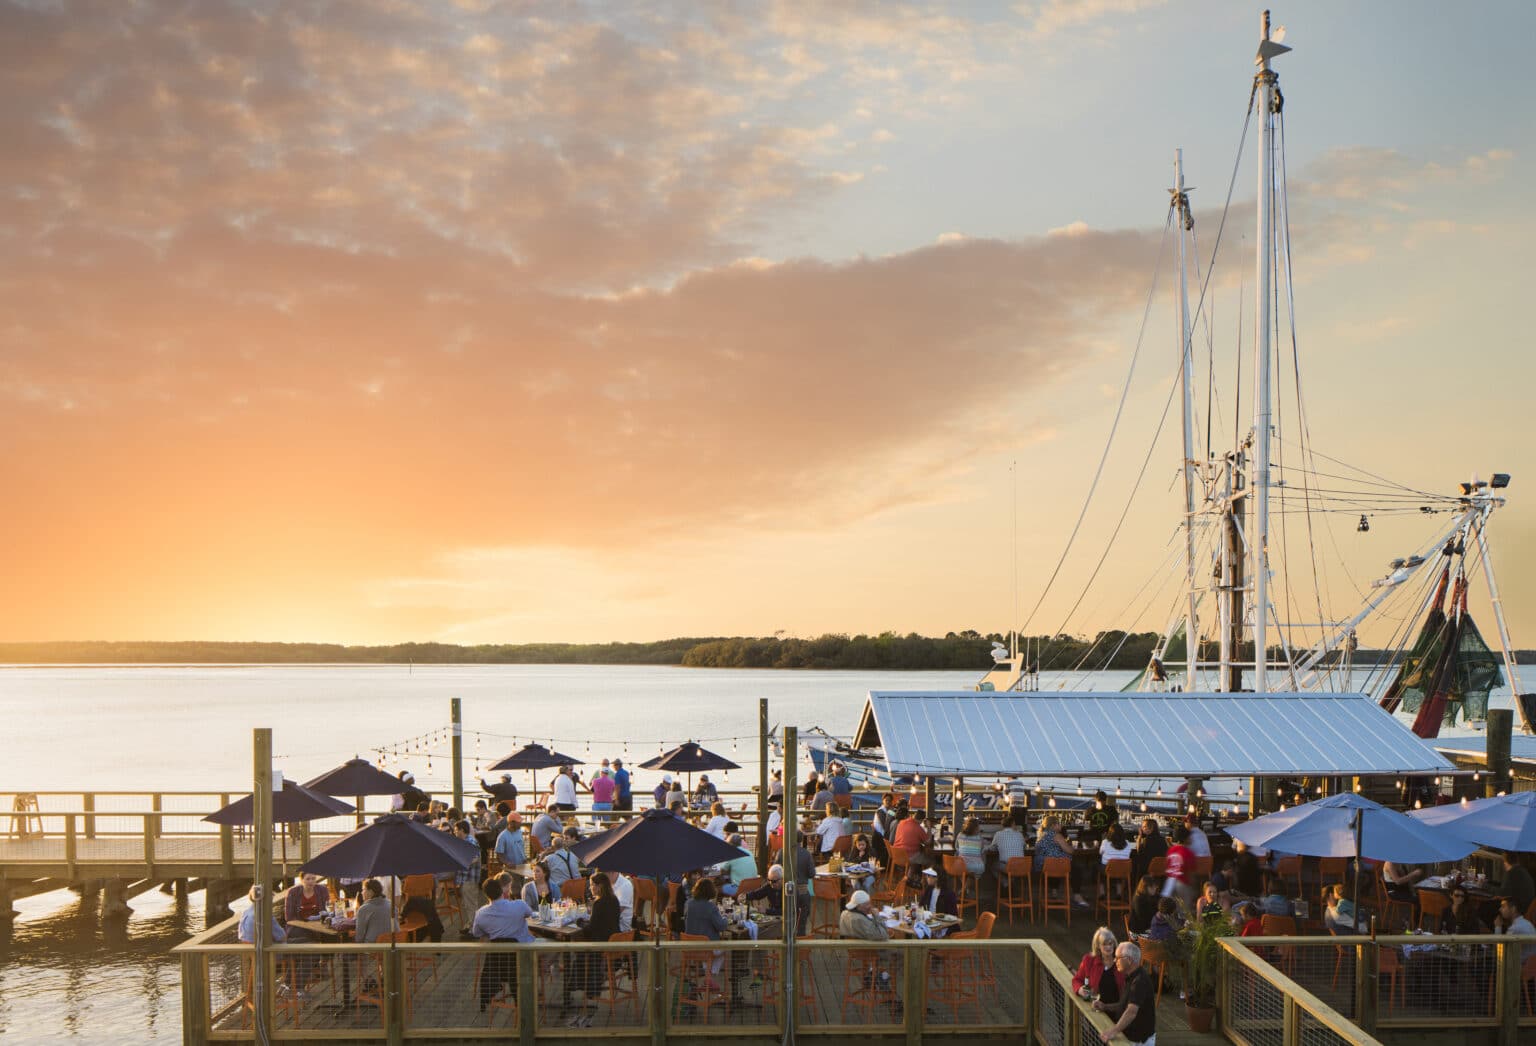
1069	734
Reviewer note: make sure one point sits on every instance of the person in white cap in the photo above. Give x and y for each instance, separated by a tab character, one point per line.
661	791
858	921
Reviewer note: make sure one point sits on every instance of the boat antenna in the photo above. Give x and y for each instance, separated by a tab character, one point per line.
1013	469
1267	84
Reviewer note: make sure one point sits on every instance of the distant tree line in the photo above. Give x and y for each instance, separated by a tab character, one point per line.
967	651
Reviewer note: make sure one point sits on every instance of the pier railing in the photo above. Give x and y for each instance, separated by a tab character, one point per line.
979	990
1281	990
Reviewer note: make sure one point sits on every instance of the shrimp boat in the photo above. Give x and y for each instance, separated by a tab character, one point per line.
1250	612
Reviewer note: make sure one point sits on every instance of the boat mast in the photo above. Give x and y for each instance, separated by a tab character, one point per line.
1267	84
1186	224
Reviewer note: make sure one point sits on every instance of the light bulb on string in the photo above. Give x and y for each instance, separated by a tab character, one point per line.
1418	804
1143	806
1053	800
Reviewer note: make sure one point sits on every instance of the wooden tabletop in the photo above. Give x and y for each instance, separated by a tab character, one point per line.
936	923
314	926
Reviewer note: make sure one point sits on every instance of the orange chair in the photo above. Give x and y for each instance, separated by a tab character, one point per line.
829	890
535	848
1280	926
749	884
1057	869
1432	905
962	877
696	985
981	960
418	965
1157	867
448	901
1528	984
1017	888
1154	955
1201	872
1389	907
845	802
645	893
953	983
1287	869
1332	869
773	981
370	984
419	886
574	890
1390	966
843	844
1116	873
865	985
901	861
615	965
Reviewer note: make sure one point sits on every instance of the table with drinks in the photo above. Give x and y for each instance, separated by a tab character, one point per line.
562	921
906	920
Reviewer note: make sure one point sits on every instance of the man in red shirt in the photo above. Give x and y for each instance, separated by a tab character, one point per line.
1180	869
910	835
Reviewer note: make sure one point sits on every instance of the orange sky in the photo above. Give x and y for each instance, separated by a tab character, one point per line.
440	321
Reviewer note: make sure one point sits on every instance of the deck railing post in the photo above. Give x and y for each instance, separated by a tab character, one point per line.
914	998
1031	990
528	990
1290	1028
88	804
395	998
1224	993
1508	993
70	844
150	821
154	804
194	997
227	850
658	999
1366	964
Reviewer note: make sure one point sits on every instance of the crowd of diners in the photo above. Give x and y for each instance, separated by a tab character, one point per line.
523	867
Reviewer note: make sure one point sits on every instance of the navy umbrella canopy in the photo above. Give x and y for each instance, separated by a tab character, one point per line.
689	758
295	802
394	845
535	757
655	845
356	777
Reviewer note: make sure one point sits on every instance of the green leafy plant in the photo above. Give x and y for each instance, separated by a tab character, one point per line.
1200	948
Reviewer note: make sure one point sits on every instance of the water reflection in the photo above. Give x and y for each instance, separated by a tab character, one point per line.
64	976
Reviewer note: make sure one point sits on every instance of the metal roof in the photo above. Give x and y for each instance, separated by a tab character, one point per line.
1521	746
1071	734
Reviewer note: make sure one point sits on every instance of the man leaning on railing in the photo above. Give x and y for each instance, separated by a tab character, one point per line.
1138	1006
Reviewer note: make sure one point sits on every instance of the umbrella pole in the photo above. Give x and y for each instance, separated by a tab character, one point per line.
359	811
1359	819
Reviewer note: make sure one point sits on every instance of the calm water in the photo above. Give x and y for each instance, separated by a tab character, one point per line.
63	979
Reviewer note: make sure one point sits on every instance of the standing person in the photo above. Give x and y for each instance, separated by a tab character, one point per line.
623	799
503	791
776	785
603	790
1199	843
1246	878
565	791
1138	1006
911	837
832	828
1180	869
885	827
840	785
1103	814
1517	883
805	875
1150	844
1096	975
468	880
500	919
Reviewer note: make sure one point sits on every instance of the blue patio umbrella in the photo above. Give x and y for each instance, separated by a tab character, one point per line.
654	845
1349	825
357	777
535	757
393	845
290	804
688	758
1507	822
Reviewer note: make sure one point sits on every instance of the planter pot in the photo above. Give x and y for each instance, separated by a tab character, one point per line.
1200	1017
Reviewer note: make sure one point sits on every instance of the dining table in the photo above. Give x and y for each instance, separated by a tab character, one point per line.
899	924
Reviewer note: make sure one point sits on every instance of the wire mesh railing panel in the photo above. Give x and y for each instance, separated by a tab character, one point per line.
1313	1032
975	986
1325	969
320	988
229	988
1426	981
853	985
1050	1009
720	984
1256	1008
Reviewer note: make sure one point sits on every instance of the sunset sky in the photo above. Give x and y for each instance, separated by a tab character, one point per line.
503	322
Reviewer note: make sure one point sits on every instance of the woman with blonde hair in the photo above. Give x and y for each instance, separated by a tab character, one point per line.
1097	974
1052	842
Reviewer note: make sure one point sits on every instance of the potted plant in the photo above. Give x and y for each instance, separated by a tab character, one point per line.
1200	949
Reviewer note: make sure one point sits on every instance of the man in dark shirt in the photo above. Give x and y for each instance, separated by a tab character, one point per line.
1246	879
1103	814
1138	1003
502	791
1517	884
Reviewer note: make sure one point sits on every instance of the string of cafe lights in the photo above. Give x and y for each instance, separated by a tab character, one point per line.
438	743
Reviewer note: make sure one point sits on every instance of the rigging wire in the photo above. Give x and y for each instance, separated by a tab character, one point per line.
1204	290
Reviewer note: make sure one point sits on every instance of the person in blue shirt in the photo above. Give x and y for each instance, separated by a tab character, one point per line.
625	799
840	785
501	919
509	844
247	931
